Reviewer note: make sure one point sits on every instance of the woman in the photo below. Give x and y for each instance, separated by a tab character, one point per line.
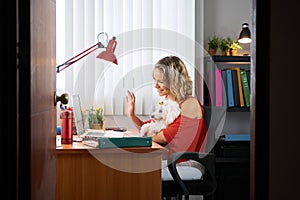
188	131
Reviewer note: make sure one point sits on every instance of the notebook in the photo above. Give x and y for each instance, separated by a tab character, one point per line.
92	134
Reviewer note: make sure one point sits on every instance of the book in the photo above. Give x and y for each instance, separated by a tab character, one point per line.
248	78
224	87
211	87
246	89
236	95
207	99
218	87
240	87
237	137
230	99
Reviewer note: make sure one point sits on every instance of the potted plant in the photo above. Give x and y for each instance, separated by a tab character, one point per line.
234	45
213	45
224	45
95	118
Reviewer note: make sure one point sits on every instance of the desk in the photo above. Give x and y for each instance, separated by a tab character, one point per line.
87	173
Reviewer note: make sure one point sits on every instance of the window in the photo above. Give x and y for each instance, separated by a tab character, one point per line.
145	32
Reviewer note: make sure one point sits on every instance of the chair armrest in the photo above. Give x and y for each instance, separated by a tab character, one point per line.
206	159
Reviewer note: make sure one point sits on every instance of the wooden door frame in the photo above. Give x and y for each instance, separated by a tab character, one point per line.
16	79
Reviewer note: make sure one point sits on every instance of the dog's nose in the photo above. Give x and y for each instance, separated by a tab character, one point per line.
152	116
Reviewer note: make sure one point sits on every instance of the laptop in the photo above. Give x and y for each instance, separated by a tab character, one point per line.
89	134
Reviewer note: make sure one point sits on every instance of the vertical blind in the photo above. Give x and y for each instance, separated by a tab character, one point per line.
145	31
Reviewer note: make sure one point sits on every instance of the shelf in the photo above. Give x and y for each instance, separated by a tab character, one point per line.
234	59
234	160
238	109
230	109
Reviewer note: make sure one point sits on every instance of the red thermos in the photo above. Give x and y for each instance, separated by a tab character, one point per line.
66	126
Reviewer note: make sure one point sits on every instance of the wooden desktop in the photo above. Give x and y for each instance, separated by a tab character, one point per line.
84	172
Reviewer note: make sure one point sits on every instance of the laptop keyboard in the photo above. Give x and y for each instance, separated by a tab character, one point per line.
95	134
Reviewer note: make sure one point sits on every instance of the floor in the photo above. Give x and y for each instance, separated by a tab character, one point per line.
192	197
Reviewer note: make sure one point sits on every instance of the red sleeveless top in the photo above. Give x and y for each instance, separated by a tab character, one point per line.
186	134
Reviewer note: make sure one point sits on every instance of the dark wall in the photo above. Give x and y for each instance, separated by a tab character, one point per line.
284	101
276	118
8	100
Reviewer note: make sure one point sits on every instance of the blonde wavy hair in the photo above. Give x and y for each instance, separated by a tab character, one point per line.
175	76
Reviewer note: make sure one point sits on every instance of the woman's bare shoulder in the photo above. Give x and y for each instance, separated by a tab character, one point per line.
191	108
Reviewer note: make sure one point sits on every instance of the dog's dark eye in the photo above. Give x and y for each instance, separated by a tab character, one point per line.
160	111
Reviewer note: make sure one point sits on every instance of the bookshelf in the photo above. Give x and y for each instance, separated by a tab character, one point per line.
232	158
213	63
237	118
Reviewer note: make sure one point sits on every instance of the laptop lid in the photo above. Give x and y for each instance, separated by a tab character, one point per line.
78	119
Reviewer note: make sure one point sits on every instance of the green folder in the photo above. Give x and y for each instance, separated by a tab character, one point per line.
125	142
246	87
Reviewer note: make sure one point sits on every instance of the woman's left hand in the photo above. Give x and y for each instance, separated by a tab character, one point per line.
130	102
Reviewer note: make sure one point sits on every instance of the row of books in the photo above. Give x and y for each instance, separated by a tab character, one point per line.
228	87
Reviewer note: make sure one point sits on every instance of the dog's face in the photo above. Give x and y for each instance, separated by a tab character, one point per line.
167	111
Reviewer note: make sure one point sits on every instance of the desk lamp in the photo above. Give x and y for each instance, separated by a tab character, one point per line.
107	55
245	35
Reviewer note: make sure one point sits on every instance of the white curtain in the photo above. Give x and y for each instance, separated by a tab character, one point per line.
145	31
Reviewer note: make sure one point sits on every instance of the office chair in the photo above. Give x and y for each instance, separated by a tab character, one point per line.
206	186
178	187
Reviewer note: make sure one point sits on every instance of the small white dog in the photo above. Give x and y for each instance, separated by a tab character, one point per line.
165	114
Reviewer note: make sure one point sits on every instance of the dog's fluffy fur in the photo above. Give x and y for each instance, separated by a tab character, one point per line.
166	112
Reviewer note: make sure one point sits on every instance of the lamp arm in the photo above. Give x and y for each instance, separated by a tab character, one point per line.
71	60
111	48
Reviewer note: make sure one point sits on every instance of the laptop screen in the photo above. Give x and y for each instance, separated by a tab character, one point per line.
77	114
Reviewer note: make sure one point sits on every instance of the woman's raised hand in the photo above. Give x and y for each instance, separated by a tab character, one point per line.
130	102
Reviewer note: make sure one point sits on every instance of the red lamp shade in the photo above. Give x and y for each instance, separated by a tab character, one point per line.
108	54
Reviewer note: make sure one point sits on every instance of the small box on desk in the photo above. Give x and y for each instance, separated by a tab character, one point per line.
125	142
